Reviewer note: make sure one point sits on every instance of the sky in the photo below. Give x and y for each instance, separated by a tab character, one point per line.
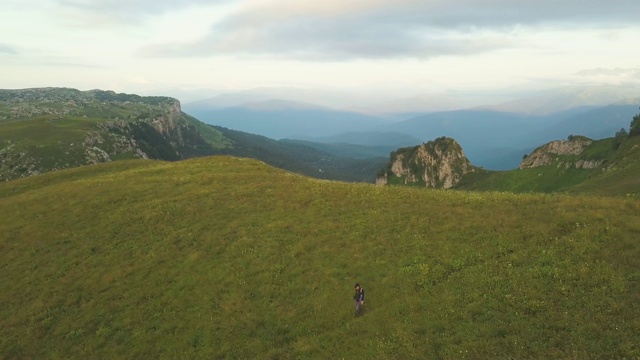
396	49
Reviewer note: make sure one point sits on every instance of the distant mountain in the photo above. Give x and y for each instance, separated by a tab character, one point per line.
367	138
485	135
390	103
280	105
345	149
257	95
595	123
269	104
566	98
358	145
311	159
497	140
279	119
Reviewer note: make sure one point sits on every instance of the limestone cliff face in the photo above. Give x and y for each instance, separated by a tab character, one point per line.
168	123
564	153
440	163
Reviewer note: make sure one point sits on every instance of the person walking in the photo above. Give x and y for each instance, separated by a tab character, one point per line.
358	299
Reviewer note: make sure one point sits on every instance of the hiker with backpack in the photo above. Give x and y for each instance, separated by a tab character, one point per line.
358	299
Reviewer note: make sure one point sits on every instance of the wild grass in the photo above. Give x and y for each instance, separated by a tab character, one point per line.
546	179
224	257
46	130
623	176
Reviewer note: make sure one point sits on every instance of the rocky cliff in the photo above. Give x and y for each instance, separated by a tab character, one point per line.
563	153
54	128
440	163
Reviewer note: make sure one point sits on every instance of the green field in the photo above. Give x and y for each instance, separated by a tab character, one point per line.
223	257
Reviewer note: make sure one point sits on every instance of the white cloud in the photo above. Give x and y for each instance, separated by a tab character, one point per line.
609	72
610	75
132	10
342	30
400	48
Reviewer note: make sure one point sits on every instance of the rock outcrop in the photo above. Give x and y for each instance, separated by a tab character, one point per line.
562	153
440	163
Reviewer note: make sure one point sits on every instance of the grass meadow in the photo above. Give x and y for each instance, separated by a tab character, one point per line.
224	257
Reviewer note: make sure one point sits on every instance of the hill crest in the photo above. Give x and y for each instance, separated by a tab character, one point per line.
201	259
47	129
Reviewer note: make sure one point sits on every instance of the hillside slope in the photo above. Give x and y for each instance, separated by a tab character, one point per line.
580	165
609	166
229	258
300	157
48	129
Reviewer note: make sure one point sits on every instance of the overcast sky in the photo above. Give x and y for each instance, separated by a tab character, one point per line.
401	47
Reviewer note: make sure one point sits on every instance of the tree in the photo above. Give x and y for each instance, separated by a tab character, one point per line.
619	138
635	126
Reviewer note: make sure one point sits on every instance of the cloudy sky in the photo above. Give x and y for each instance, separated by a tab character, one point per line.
401	48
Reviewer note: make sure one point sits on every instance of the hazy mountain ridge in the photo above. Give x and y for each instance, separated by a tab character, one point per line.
49	129
496	140
368	101
281	119
364	138
561	99
302	157
494	136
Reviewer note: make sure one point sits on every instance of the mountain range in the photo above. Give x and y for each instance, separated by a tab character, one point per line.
280	119
578	164
494	137
49	129
497	140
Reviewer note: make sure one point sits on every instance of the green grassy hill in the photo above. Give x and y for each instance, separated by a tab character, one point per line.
48	129
623	178
223	257
619	173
